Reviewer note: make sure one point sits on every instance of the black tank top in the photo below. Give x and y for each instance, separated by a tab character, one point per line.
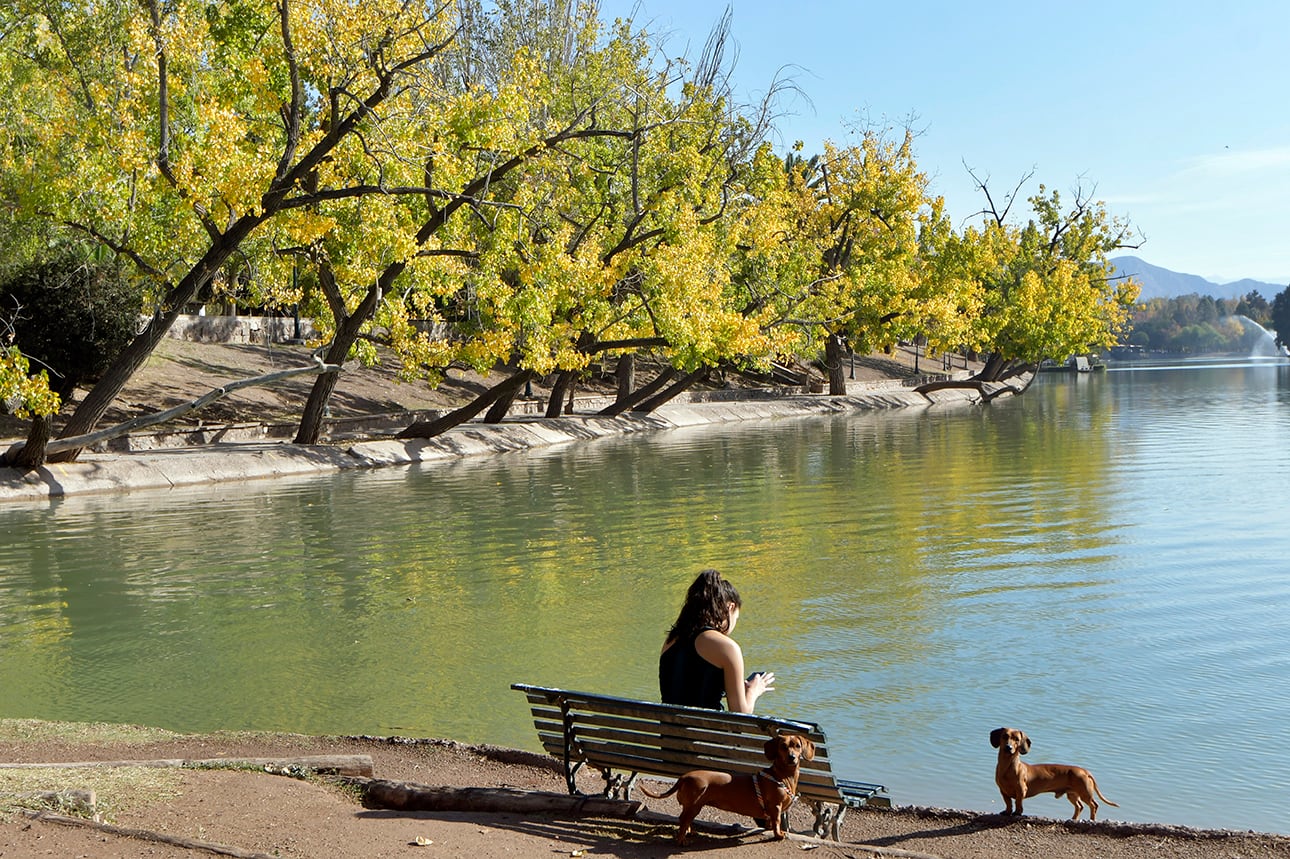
686	678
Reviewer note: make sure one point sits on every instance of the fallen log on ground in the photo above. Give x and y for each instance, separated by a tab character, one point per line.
407	796
346	765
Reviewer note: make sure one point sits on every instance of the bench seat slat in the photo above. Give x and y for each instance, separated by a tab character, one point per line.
647	757
648	730
699	758
699	749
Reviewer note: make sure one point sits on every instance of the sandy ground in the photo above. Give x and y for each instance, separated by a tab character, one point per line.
255	813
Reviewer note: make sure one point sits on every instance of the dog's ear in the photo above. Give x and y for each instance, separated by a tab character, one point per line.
1025	744
808	749
996	736
770	747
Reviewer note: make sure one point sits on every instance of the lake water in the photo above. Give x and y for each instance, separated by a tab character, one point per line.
1101	562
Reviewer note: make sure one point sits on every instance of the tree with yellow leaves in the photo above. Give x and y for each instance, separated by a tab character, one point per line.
427	268
23	393
616	241
839	243
179	135
1039	290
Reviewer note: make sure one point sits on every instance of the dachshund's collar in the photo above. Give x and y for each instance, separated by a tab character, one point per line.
757	790
770	774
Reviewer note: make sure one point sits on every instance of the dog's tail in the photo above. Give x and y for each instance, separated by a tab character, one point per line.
1096	790
677	785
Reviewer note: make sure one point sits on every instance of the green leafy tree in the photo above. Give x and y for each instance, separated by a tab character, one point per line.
1280	317
72	316
1254	306
614	241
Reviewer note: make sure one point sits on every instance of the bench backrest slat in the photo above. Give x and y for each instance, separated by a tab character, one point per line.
717	719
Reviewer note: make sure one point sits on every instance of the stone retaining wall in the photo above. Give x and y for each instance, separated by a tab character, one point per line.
241	329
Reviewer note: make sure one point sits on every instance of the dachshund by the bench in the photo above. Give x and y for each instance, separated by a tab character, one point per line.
1018	780
763	796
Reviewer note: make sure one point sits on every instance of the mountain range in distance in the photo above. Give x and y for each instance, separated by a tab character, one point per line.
1160	282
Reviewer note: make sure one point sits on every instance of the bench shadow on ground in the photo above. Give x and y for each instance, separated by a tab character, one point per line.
632	839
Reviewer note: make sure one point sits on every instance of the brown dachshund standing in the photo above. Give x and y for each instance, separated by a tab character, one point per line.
1018	780
765	795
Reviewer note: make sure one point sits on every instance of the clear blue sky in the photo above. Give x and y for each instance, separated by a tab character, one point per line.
1178	113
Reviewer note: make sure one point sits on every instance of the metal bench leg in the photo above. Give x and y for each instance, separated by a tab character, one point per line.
569	772
619	786
823	814
837	821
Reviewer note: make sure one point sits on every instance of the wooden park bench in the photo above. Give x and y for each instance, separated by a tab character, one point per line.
625	739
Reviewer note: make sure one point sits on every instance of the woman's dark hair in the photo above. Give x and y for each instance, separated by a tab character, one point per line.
707	604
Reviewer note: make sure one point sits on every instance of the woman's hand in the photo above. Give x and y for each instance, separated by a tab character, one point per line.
757	683
722	651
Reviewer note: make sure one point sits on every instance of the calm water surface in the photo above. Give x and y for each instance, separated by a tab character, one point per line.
1101	563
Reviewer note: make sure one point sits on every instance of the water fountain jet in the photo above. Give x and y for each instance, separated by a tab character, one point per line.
1262	342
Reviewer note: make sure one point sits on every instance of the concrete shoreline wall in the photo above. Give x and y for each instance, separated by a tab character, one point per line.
223	461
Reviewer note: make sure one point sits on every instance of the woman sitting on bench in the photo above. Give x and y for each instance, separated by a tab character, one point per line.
700	662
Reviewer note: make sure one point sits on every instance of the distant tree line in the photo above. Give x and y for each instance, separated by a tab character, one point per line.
1200	324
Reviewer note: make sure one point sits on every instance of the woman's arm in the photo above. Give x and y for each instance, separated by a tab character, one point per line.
724	652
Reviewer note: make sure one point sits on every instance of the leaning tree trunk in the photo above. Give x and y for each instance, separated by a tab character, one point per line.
348	329
995	366
32	454
563	386
625	403
311	419
678	387
833	362
76	442
502	406
626	373
430	429
109	386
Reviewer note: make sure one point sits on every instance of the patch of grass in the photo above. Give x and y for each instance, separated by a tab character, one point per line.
116	788
104	733
36	730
